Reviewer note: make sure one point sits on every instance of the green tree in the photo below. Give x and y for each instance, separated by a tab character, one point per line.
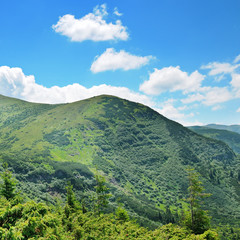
122	214
102	194
8	186
168	216
71	199
197	219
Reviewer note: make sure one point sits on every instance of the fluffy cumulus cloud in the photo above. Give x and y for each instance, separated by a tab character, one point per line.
210	96
171	79
113	60
220	68
14	83
93	27
216	95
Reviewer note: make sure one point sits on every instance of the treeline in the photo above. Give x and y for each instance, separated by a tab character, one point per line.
72	219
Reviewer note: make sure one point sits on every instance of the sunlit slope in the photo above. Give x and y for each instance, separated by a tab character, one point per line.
143	154
100	121
30	129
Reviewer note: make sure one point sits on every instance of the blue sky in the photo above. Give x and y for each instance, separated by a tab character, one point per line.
180	57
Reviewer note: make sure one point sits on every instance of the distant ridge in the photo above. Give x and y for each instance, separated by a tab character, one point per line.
229	137
233	128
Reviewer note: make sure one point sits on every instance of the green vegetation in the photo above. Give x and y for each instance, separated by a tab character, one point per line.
141	154
31	220
229	137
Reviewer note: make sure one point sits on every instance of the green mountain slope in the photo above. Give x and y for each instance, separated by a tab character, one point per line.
143	155
231	138
233	128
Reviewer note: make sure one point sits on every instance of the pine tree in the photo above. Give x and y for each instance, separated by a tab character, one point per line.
8	186
102	194
198	220
71	201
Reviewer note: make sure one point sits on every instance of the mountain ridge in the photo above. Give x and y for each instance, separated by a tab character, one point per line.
233	127
142	153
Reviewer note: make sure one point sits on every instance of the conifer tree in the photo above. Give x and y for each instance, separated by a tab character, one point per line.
102	194
198	221
8	186
71	200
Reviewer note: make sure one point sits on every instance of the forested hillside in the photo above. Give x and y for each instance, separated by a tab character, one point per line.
142	154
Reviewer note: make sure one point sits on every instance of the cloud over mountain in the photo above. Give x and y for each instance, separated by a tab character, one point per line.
171	79
14	83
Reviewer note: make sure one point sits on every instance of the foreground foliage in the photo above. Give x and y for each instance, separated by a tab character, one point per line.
32	220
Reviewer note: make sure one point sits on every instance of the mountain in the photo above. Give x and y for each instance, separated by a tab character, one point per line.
232	128
143	155
229	137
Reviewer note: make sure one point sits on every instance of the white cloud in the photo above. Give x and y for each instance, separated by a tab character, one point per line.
238	110
217	95
171	79
168	110
93	27
236	84
220	68
237	59
210	96
193	98
192	123
14	83
235	80
116	12
112	60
